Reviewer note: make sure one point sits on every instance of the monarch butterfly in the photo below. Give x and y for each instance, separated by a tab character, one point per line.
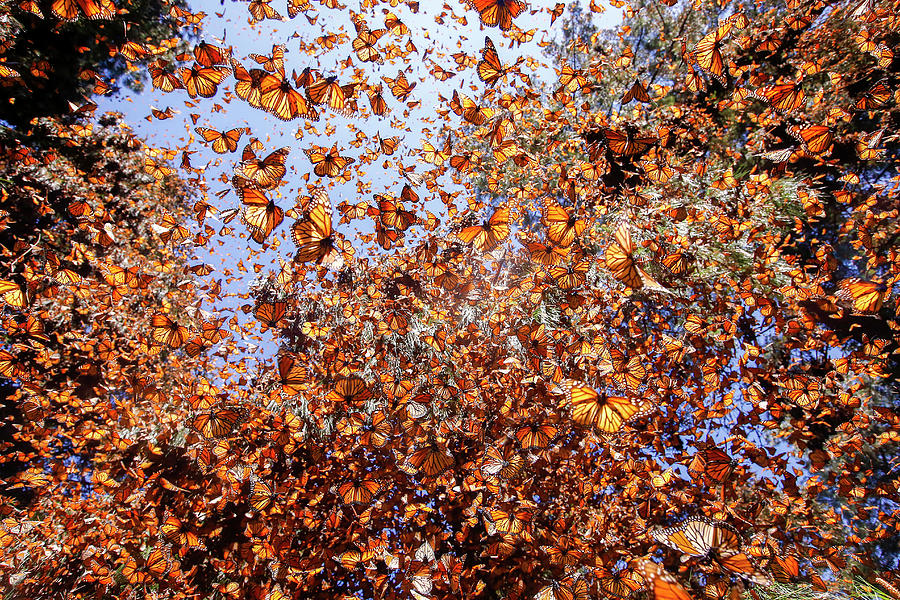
489	68
394	24
157	564
364	45
433	155
803	390
329	91
400	87
293	376
607	413
629	373
388	145
430	460
562	228
618	259
261	10
203	81
264	173
376	100
69	10
218	422
394	215
222	141
353	390
260	214
572	79
178	532
498	13
270	313
209	55
163	79
248	84
386	238
473	113
676	262
329	163
261	496
511	522
661	582
463	162
504	462
816	139
571	276
273	63
716	540
168	332
546	254
636	92
277	96
617	584
707	53
712	463
695	81
568	589
490	233
785	97
628	143
359	491
876	97
866	296
315	238
536	435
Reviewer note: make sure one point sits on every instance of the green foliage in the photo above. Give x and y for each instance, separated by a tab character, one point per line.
61	62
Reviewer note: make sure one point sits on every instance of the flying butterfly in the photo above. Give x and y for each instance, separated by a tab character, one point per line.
359	490
203	81
498	13
168	332
336	96
400	87
629	142
264	173
562	228
393	214
606	413
222	141
865	296
292	375
218	422
504	462
707	53
490	233
715	540
490	70
178	532
816	139
260	214
662	583
431	460
70	10
274	94
618	259
328	162
536	435
636	92
351	390
712	463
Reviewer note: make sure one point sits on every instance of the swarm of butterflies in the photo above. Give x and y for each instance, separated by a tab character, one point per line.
568	345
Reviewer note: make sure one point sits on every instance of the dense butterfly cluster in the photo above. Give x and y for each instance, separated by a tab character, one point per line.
616	334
